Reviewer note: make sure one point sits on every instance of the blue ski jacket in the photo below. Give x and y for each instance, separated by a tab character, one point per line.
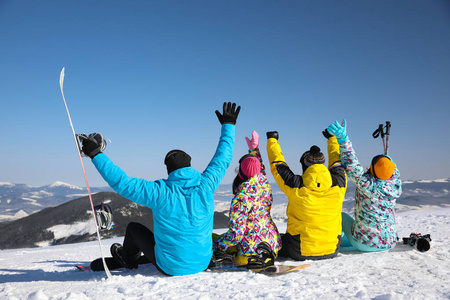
182	204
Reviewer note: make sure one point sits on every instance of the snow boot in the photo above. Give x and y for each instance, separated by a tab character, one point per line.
117	252
263	258
111	263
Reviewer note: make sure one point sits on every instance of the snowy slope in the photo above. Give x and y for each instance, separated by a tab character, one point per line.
48	273
20	200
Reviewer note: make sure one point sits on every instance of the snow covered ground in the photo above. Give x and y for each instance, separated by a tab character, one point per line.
49	273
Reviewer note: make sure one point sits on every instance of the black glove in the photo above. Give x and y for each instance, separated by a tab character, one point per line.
272	134
326	134
92	144
230	113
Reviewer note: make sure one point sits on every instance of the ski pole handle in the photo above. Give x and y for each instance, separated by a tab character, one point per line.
377	132
388	127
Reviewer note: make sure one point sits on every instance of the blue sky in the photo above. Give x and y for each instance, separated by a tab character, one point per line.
150	74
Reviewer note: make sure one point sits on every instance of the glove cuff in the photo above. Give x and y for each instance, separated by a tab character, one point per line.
342	139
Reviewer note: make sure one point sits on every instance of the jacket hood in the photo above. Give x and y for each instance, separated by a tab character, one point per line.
185	177
317	177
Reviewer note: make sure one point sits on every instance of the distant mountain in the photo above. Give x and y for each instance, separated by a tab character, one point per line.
63	213
415	195
72	222
20	200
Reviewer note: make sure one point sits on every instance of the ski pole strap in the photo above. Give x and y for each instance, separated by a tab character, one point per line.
377	132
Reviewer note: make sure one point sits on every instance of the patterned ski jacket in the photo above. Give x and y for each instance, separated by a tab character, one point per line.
250	220
315	202
182	204
375	199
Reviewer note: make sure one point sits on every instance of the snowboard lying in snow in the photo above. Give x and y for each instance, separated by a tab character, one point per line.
272	270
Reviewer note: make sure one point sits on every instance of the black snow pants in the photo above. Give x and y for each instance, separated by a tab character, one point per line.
139	240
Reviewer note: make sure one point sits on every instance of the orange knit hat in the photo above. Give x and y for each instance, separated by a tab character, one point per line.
382	167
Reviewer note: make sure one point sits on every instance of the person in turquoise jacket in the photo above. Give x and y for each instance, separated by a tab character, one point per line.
377	189
182	204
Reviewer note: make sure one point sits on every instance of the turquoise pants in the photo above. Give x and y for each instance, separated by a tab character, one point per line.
349	244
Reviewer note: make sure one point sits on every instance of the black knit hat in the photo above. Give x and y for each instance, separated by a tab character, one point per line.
177	159
311	157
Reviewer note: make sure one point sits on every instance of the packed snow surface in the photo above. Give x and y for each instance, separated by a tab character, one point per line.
49	273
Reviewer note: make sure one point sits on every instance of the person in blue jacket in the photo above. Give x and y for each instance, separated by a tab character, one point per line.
182	204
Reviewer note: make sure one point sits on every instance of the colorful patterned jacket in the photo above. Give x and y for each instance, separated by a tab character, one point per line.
250	220
375	199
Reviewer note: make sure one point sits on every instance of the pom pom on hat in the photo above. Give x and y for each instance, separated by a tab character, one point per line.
382	167
311	157
249	167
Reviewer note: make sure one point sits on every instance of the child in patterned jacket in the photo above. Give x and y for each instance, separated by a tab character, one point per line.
377	190
250	219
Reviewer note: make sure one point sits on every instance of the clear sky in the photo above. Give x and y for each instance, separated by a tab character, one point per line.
150	74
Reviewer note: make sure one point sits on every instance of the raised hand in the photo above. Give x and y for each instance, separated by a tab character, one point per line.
230	113
272	134
93	144
254	142
339	130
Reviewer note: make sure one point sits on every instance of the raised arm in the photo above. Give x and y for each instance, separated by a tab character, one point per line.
137	190
253	149
348	156
215	171
335	166
283	175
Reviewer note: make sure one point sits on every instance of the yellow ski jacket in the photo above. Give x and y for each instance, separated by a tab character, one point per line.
315	201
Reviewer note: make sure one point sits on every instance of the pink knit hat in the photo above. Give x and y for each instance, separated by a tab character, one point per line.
250	167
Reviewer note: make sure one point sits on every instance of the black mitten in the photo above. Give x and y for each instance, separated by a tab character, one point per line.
326	134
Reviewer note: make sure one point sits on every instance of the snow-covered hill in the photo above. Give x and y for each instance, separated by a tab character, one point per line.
72	222
416	195
20	200
49	273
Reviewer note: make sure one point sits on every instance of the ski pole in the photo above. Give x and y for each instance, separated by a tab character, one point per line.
379	132
77	142
388	128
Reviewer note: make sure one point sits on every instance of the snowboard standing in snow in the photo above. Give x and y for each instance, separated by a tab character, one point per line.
80	155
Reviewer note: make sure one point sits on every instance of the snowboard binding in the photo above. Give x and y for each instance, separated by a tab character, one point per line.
263	258
221	258
103	216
